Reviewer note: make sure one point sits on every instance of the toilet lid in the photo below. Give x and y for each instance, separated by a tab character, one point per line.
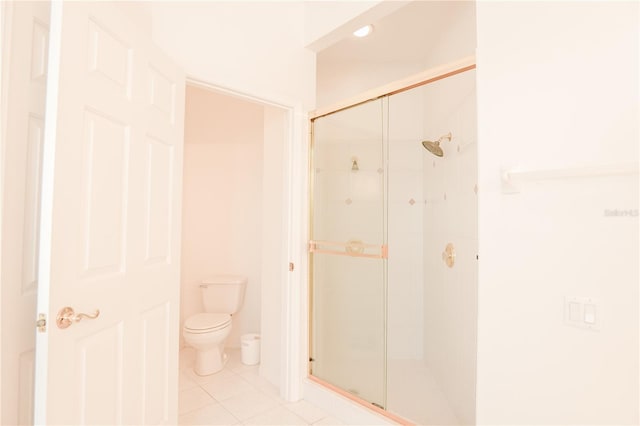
207	321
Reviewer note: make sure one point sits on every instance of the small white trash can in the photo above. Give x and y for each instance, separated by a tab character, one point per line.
250	349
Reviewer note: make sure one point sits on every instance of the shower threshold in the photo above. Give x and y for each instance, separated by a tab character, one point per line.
377	408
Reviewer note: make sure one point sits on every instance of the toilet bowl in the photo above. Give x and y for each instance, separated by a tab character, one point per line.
207	332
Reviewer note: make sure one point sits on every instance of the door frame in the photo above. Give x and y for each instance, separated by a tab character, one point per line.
4	44
293	318
6	13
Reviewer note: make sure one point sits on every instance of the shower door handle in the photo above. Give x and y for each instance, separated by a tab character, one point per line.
352	248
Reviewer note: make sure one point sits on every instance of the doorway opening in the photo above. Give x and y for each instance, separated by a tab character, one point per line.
234	222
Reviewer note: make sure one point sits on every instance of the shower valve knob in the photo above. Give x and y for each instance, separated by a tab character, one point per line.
449	255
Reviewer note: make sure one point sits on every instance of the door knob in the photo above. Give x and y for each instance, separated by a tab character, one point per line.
67	316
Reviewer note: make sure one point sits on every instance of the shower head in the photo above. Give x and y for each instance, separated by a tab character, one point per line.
434	147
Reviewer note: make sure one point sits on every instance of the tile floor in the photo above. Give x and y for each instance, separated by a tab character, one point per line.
238	396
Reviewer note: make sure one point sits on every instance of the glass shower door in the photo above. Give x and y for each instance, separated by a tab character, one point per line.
348	252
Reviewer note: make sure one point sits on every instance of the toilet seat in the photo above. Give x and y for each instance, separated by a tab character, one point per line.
206	322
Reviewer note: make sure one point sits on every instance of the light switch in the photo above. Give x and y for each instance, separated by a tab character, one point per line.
582	312
590	314
575	311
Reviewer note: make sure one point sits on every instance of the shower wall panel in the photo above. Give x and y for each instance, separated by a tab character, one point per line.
405	206
450	216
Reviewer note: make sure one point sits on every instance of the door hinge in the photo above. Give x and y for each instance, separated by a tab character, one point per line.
41	324
291	266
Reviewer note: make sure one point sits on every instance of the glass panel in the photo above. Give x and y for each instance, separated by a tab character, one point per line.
431	346
348	272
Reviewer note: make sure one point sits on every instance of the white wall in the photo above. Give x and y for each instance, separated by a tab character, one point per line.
222	201
338	82
557	88
250	47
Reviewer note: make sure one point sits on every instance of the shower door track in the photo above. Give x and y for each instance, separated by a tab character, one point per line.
420	79
367	404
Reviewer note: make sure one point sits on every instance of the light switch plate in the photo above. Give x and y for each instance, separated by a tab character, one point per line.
582	312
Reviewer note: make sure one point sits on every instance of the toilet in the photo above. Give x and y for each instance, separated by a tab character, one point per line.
222	296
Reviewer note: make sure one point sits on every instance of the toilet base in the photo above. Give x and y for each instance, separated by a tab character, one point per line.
210	361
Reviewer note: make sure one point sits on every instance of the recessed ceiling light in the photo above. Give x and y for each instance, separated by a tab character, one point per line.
364	31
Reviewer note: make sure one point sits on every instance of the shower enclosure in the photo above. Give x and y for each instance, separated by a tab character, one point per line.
393	252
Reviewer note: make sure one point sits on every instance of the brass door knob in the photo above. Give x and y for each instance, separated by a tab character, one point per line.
449	255
67	316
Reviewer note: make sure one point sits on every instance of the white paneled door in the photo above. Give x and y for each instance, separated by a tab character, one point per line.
26	73
110	227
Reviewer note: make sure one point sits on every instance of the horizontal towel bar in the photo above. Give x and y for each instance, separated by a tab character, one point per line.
510	178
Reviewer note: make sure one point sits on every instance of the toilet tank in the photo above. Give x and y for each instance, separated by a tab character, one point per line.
223	294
